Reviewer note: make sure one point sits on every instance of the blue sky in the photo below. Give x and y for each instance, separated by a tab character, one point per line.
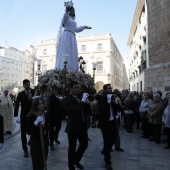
29	21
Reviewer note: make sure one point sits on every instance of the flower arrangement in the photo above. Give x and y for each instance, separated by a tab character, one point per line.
55	80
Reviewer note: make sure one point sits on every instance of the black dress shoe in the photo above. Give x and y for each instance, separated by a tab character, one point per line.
108	167
26	154
79	166
119	149
52	148
57	141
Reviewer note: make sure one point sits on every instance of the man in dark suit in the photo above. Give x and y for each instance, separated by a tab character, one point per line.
24	98
107	122
1	132
55	119
76	126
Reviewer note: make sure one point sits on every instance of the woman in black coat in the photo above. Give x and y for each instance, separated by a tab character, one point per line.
35	117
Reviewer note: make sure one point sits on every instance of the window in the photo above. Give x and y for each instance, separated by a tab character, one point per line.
99	67
99	47
44	51
83	48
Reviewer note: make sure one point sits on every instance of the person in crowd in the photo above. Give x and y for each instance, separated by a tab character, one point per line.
55	119
138	99
37	124
150	94
1	132
94	111
117	107
6	110
76	128
166	99
67	40
143	109
165	102
107	122
129	110
166	123
155	111
24	98
124	96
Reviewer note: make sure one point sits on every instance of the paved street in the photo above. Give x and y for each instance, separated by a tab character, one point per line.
139	154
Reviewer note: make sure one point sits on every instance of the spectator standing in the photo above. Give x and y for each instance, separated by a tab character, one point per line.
129	111
166	122
1	132
143	109
24	98
6	110
155	111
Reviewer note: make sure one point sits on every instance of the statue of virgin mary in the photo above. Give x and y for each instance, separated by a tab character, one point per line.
66	40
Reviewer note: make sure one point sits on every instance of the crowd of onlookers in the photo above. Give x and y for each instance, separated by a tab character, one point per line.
147	111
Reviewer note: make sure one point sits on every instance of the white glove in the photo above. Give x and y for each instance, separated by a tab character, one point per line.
17	120
109	98
1	146
85	95
38	120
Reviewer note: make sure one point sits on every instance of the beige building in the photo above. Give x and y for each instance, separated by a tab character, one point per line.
99	48
150	62
15	66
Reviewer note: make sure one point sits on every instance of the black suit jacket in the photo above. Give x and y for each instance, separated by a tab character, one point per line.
104	110
74	109
22	99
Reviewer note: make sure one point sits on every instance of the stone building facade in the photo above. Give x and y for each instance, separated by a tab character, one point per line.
157	76
156	73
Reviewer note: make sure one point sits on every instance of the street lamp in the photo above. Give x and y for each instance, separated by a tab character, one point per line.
65	59
38	72
94	65
82	64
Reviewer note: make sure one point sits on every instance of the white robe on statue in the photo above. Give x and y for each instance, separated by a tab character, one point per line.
6	110
67	44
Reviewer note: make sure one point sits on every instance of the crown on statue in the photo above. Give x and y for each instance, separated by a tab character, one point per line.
69	3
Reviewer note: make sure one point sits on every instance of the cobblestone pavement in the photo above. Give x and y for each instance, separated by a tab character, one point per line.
139	153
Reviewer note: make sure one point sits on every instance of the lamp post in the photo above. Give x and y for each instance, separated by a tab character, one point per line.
38	72
80	60
94	65
82	64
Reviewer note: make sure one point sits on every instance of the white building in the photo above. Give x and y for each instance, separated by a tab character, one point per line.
138	42
99	48
15	66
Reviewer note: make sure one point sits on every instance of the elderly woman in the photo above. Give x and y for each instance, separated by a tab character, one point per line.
143	110
155	111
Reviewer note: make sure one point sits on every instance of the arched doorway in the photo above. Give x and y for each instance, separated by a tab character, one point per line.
99	85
